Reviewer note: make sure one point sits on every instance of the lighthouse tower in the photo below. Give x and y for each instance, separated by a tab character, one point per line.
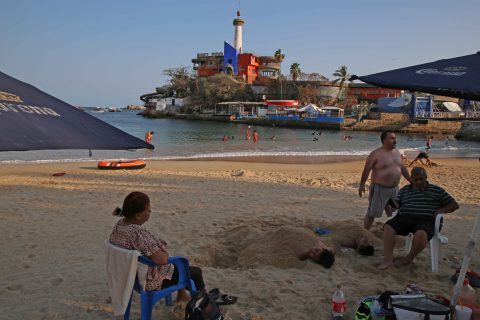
237	40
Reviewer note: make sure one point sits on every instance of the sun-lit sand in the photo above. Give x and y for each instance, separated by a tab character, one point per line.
242	222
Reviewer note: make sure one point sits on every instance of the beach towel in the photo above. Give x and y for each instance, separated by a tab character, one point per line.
122	267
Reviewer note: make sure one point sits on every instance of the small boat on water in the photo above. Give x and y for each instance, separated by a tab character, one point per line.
98	109
114	109
121	164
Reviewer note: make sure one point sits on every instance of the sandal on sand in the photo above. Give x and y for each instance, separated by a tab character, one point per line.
322	231
226	299
214	294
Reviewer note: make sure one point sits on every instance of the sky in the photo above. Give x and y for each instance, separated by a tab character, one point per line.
110	52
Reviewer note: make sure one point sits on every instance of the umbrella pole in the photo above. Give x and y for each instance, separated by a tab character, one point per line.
466	261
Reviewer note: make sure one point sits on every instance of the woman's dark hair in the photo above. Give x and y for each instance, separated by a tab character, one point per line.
134	203
366	250
326	258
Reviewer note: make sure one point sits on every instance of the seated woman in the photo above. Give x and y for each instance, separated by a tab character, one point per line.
128	233
320	253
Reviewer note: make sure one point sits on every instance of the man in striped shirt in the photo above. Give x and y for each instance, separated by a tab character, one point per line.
418	203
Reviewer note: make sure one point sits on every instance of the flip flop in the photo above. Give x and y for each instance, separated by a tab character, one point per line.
363	311
322	231
214	294
59	174
225	299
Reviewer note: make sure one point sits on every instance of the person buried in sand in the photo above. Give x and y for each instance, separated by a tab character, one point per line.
320	253
350	234
387	167
128	233
418	203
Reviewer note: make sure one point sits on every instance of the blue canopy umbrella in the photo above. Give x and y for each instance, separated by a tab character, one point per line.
31	119
456	77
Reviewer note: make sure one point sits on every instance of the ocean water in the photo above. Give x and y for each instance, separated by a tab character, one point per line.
184	139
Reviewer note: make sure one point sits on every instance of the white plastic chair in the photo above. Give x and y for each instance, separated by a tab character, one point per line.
435	242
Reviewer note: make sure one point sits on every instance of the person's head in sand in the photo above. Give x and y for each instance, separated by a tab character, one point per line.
320	253
365	246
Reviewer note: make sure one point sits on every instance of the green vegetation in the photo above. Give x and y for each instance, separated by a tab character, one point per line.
342	77
279	56
295	71
208	91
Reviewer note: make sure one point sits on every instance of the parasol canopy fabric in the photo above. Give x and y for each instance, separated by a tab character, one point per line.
455	77
31	119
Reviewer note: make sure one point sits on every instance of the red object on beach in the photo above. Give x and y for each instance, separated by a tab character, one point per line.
59	174
121	164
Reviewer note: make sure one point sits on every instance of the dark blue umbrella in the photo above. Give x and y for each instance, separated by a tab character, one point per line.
31	119
456	77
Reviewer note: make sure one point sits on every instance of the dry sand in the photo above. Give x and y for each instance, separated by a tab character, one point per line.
241	222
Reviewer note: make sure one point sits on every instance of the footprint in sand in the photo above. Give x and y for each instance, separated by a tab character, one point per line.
14	287
56	281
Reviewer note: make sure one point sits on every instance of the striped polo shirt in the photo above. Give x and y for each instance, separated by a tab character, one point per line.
422	203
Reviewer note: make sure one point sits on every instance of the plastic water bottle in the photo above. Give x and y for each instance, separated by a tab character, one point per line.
339	304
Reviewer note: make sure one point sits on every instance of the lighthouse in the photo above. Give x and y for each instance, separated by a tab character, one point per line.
237	40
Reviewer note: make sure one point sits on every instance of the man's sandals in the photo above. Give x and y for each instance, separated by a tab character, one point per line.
221	299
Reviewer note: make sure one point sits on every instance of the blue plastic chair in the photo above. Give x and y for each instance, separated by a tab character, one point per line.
148	299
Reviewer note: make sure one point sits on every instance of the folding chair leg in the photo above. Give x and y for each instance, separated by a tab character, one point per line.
146	308
435	253
408	243
126	315
168	300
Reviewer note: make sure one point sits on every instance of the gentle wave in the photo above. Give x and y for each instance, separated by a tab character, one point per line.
210	156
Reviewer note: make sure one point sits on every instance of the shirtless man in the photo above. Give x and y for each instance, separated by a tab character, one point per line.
387	167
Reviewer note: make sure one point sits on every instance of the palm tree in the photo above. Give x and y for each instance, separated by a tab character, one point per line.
295	71
342	77
279	56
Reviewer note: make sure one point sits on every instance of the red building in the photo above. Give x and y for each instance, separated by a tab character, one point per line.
208	64
248	67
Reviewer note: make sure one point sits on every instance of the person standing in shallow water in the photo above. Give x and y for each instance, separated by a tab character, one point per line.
386	165
255	136
248	134
149	136
428	144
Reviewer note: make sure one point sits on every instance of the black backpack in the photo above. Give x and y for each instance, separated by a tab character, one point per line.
202	306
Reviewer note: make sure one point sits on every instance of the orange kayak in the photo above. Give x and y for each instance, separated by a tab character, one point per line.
121	164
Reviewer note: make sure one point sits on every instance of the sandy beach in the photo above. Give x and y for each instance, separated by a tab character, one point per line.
242	222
